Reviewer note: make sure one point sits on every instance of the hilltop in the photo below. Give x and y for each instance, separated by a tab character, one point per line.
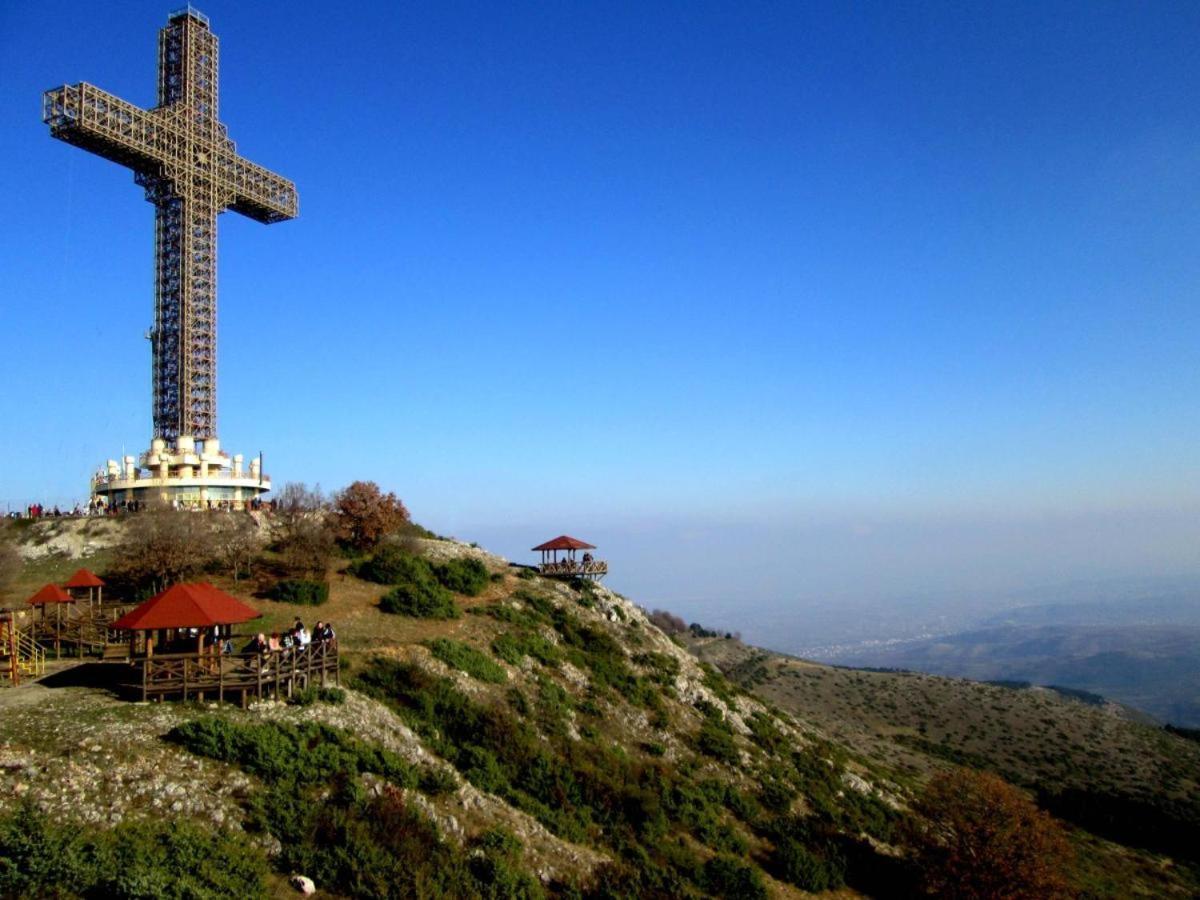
542	736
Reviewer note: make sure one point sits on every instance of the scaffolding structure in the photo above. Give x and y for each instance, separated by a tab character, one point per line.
182	156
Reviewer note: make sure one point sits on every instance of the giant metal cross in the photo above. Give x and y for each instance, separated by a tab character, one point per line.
181	154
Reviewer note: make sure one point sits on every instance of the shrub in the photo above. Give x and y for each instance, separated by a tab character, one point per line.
303	593
306	753
467	659
716	739
464	575
314	694
437	780
663	668
393	565
420	602
797	864
727	876
178	859
514	646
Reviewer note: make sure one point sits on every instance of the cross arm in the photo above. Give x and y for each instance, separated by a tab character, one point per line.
257	192
83	115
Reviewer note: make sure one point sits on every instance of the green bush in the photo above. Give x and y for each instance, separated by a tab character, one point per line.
328	828
514	646
727	876
466	658
316	694
303	593
420	601
806	868
436	780
306	752
463	575
392	565
716	739
178	859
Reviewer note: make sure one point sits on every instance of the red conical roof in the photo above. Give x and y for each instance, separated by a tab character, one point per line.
83	579
51	593
186	606
565	542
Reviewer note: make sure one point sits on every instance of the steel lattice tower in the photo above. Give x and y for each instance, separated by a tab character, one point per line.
181	154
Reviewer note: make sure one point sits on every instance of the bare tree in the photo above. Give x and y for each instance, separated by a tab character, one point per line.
10	565
306	547
237	544
304	540
668	621
296	498
162	546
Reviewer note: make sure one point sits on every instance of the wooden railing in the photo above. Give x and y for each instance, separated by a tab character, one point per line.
20	654
568	568
84	628
277	673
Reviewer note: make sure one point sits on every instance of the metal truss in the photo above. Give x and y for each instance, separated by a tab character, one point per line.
182	155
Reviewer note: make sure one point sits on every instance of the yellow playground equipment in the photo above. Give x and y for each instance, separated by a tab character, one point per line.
20	655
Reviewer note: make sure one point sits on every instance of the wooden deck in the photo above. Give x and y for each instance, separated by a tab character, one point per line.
240	677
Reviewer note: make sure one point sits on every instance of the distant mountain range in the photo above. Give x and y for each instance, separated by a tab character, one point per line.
1133	641
1155	668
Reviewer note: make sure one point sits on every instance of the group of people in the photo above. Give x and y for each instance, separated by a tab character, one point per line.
38	511
99	506
296	637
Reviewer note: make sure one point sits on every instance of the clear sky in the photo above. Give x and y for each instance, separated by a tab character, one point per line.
642	272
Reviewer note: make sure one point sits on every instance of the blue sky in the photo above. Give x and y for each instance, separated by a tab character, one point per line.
618	269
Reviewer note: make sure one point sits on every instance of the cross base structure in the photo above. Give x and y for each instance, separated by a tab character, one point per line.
189	475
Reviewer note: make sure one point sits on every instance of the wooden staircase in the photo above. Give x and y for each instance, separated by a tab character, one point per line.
20	655
83	631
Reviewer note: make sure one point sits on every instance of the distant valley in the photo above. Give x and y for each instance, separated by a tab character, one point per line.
1134	642
1155	668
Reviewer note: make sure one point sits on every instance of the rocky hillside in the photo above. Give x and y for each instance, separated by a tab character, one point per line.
500	734
1103	766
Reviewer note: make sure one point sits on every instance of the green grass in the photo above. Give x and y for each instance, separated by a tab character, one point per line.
467	659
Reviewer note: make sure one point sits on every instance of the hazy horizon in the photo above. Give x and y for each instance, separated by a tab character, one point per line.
788	583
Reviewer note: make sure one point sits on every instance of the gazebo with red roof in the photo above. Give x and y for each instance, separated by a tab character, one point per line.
52	593
86	579
181	613
569	567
